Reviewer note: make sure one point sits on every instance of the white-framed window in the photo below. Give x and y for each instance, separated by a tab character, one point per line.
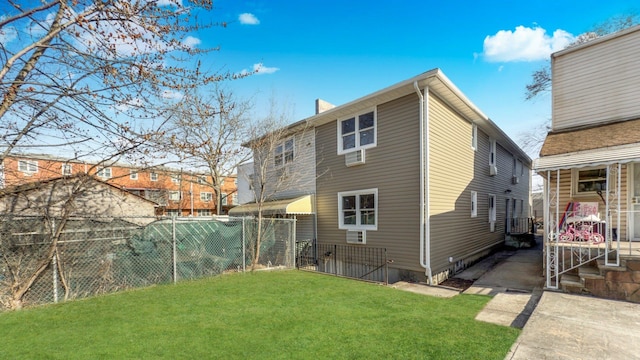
174	195
492	211
474	204
589	181
226	200
222	182
206	196
521	167
358	210
474	137
235	181
133	174
104	173
358	132
514	209
283	153
202	180
521	207
28	166
175	178
153	176
204	212
66	170
492	152
173	212
515	166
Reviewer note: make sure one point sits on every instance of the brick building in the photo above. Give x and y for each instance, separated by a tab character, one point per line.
175	191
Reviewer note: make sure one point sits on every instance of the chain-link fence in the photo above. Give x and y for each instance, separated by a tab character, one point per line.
44	260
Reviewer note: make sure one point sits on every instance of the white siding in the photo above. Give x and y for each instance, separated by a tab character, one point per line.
245	193
597	83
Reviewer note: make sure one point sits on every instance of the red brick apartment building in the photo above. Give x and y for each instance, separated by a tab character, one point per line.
176	192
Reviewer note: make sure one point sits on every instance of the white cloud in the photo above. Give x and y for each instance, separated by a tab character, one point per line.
258	69
261	69
161	3
191	42
130	103
7	35
524	44
170	94
248	19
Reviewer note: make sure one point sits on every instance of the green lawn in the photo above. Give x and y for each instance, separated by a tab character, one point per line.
266	315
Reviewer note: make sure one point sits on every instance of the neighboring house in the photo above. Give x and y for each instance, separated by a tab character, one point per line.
90	197
590	159
417	169
176	192
289	166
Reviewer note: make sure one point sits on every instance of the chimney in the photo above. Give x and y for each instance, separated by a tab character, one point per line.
322	106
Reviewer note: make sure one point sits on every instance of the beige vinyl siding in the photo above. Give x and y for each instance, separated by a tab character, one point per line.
596	84
455	171
392	167
566	191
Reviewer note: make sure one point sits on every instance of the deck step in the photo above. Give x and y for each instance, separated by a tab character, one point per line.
571	280
590	272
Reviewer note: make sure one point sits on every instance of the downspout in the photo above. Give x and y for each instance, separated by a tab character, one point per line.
425	239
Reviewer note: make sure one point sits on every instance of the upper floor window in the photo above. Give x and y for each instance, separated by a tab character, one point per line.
133	175
104	173
492	212
492	152
175	178
28	166
66	169
357	210
283	154
589	181
174	195
474	137
202	180
153	176
356	133
206	196
474	204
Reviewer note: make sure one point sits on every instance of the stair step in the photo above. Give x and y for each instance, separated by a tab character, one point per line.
571	280
602	266
590	272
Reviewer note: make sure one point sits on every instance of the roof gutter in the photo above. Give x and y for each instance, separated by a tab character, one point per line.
425	234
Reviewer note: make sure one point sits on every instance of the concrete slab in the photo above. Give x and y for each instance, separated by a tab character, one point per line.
424	289
565	326
510	309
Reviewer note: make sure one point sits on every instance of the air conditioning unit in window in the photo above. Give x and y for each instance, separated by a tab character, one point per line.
515	180
356	237
493	170
354	158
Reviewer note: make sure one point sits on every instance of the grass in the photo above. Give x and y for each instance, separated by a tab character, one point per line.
267	315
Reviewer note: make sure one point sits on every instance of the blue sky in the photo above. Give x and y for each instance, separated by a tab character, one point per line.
342	50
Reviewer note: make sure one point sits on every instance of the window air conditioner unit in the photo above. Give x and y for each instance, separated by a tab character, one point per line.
515	180
356	237
354	158
493	170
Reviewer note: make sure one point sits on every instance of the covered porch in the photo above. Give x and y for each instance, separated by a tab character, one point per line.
591	217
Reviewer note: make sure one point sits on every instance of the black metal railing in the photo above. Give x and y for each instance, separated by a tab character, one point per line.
515	226
353	261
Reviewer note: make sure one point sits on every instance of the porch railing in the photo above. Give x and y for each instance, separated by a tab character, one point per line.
516	226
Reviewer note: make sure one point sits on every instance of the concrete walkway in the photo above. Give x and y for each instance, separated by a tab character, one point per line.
514	278
567	326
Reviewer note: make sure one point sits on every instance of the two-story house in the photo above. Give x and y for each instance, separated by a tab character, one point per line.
590	159
176	192
417	169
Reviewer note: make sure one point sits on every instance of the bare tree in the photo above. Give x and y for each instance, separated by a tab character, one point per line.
207	131
279	165
92	77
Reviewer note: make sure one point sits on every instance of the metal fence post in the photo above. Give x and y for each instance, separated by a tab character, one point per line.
54	265
386	268
335	259
244	246
173	240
